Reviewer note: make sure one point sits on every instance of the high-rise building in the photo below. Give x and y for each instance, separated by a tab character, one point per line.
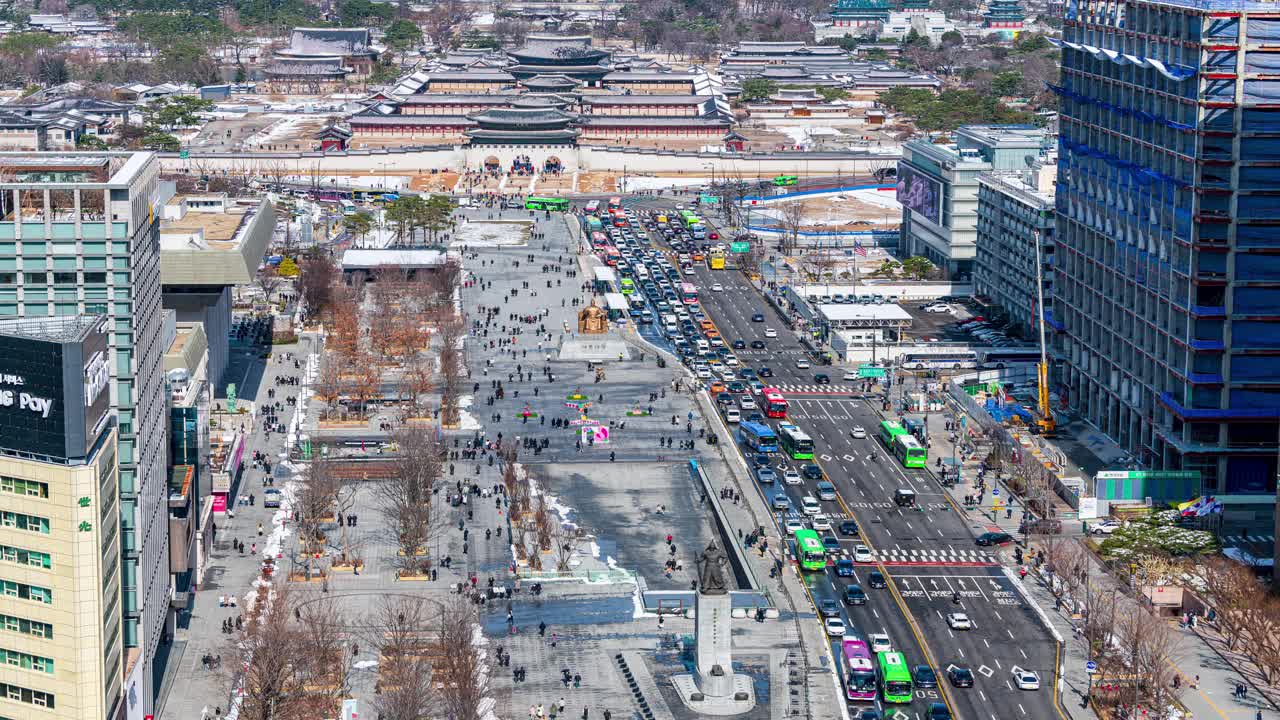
1015	211
938	189
1168	287
60	625
79	235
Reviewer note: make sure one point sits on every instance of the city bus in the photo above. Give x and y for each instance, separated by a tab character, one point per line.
758	437
940	359
546	203
690	220
688	294
599	240
593	207
619	218
809	550
611	256
895	678
909	451
859	671
999	358
594	224
782	180
715	258
889	429
348	208
795	442
615	203
775	406
626	286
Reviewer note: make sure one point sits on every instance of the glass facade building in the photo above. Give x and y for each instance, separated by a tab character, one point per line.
1168	282
79	234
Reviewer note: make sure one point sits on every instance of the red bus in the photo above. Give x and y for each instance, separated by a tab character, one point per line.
615	203
775	406
619	218
612	256
599	240
688	293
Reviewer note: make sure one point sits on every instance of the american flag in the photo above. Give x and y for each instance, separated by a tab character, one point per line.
857	248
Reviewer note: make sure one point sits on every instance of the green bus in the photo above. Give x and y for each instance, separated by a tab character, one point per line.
895	678
795	442
546	203
890	429
594	224
691	220
909	451
782	180
627	286
809	550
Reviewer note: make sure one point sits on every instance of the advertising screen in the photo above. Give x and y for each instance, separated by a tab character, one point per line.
920	193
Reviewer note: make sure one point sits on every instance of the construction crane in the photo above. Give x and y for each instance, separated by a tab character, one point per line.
1046	423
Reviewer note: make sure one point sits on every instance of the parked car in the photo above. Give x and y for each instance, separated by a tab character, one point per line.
988	539
1106	527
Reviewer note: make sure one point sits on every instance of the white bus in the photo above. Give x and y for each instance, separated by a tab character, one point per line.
348	208
939	359
1003	357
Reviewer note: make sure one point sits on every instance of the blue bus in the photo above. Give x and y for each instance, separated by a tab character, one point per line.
758	436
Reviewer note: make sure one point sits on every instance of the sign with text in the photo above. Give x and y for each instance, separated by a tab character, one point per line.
870	371
598	434
740	246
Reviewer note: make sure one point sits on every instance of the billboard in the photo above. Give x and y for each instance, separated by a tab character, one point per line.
920	193
54	393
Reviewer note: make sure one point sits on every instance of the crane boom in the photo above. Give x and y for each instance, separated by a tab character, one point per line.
1047	423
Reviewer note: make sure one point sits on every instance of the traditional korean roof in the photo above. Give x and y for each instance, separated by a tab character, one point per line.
343	42
567	50
541	100
550	82
645	99
530	118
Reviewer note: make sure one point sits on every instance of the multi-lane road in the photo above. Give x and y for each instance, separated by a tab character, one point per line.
927	554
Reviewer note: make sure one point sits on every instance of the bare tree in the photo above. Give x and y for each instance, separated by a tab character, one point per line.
1233	592
1100	606
793	221
315	507
269	281
418	380
451	372
1263	632
329	384
462	674
401	631
405	500
564	542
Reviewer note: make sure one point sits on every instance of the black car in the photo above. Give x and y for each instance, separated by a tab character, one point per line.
870	715
876	580
758	317
829	608
737	387
848	527
724	399
993	538
855	595
739	344
822	379
811	471
764	372
755	417
760	459
939	711
960	676
925	677
757	345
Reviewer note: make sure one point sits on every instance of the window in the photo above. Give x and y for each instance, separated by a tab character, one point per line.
19	556
23	591
21	521
64	278
35	278
26	661
26	695
95	278
18	486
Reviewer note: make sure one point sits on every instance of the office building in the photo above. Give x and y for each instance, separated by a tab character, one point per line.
1015	211
60	625
79	234
938	189
1168	287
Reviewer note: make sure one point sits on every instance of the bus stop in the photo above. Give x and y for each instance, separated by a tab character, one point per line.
616	304
606	279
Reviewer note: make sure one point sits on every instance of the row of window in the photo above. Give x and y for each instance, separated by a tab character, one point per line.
18	486
19	556
22	521
16	693
23	591
34	628
59	278
26	661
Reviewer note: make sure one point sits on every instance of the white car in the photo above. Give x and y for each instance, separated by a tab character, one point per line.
939	308
746	403
834	626
703	372
862	554
728	375
770	333
850	375
1026	679
792	525
717	288
688	270
880	643
791	476
1106	527
820	522
959	621
802	364
858	433
731	359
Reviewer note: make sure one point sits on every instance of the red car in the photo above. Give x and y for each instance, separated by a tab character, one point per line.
713	236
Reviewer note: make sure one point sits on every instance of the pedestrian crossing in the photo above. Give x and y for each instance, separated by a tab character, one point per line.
1239	540
935	556
835	389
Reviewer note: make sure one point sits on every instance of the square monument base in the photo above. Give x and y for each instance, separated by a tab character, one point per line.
742	699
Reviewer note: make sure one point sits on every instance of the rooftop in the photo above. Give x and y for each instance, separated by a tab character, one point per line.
66	328
222	247
846	313
75	169
372	258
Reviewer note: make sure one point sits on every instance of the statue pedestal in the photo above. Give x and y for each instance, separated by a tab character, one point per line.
715	689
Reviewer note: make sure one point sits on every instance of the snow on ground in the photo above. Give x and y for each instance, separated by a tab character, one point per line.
483	19
481	233
467	421
279	130
364	664
883	198
631	183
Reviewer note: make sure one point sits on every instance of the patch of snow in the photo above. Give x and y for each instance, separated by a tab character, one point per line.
483	19
482	233
633	183
364	664
882	198
467	421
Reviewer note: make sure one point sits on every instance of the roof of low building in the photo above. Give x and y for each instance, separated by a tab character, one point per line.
373	258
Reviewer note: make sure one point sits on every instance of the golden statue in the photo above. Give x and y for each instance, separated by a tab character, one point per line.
593	320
